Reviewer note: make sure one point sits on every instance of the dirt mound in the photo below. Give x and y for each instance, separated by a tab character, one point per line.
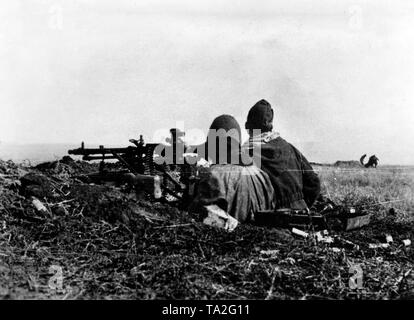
67	166
37	185
349	164
9	168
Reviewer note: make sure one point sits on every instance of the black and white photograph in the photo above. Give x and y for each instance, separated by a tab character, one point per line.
206	151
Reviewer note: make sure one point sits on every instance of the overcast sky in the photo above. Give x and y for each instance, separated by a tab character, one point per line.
339	74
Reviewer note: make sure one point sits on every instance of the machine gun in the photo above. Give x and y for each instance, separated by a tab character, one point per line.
171	181
136	159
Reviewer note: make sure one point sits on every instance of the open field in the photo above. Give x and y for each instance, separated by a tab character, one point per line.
97	242
391	186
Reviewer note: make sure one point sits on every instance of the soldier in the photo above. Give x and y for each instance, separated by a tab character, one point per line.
374	160
232	182
296	185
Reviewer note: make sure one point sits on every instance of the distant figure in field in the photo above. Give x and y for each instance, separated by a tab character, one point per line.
372	161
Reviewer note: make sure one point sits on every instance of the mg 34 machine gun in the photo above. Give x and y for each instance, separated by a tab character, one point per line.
137	165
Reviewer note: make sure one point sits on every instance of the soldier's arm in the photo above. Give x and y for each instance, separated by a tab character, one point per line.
311	181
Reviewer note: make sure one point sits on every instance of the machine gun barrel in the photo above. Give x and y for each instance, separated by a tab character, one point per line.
82	151
92	158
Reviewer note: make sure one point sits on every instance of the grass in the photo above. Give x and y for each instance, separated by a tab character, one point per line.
112	246
388	186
